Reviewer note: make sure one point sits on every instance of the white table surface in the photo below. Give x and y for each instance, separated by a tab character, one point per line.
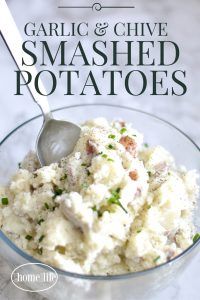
183	18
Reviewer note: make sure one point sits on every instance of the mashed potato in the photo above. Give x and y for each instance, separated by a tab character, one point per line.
113	206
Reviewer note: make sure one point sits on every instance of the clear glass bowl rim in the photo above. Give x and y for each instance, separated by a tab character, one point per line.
101	277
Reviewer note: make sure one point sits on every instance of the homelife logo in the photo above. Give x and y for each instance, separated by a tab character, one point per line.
34	277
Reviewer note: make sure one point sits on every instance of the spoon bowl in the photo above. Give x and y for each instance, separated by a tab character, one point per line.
56	140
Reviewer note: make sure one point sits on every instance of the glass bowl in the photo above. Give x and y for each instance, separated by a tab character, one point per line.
139	285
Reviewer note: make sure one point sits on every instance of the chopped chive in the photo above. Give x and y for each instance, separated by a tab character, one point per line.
148	206
146	145
88	173
111	147
149	173
40	251
123	130
4	201
94	208
114	199
28	237
196	237
139	230
169	173
46	205
57	192
40	221
19	165
99	213
83	165
156	259
118	190
63	177
134	135
111	136
110	159
106	156
41	238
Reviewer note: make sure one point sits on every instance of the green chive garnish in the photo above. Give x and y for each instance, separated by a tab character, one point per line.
146	145
114	199
123	130
94	208
112	136
4	201
28	237
88	173
156	259
110	159
196	237
40	221
111	147
57	192
40	251
46	205
41	238
99	213
118	190
83	165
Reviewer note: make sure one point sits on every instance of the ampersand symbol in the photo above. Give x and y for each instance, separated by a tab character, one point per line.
100	29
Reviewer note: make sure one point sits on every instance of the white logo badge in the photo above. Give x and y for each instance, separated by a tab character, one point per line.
34	277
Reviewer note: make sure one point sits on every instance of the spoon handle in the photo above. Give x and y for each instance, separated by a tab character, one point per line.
13	40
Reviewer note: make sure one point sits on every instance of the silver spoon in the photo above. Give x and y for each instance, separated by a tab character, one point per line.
56	139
